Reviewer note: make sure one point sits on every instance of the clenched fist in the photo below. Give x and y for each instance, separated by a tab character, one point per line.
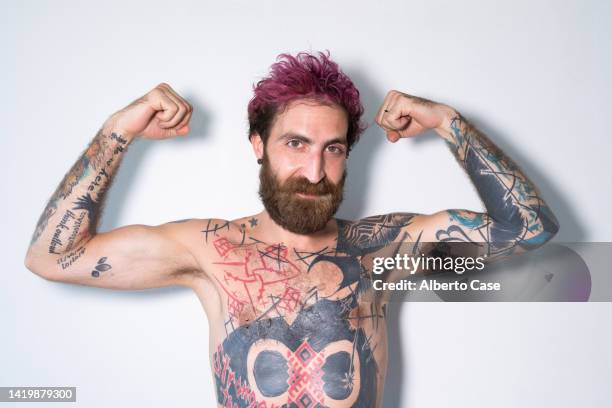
160	114
402	115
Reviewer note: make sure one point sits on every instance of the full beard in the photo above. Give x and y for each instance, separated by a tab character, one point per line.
292	212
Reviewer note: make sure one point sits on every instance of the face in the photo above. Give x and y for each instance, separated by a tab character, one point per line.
304	166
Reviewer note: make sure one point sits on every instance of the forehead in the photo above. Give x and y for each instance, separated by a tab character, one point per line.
311	119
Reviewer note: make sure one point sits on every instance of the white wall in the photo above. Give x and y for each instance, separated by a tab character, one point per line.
534	75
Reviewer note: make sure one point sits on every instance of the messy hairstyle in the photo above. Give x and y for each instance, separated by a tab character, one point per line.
304	76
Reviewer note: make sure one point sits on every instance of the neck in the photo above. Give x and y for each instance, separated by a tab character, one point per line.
276	233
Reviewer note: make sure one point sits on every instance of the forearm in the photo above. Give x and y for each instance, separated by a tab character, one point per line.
71	216
516	211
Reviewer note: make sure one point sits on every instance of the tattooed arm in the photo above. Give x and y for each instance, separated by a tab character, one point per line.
65	245
517	218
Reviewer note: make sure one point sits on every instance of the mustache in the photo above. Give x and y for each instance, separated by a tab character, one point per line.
303	186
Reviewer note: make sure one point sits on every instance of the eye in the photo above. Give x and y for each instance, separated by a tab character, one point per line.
335	149
294	143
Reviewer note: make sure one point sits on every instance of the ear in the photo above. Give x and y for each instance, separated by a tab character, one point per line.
258	145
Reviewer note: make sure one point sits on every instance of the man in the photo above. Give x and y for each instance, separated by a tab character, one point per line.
294	319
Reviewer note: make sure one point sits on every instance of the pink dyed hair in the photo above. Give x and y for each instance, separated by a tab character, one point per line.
304	76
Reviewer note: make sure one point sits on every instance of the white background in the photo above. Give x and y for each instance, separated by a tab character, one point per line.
534	75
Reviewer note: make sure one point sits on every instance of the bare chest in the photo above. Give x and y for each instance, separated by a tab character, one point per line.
291	327
297	326
267	281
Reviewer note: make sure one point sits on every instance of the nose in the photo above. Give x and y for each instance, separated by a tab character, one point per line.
313	169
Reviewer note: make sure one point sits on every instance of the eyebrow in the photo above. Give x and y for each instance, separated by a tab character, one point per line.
291	135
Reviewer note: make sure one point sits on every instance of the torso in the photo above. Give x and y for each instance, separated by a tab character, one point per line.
294	328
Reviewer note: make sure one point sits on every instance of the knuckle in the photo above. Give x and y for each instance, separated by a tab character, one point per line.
155	93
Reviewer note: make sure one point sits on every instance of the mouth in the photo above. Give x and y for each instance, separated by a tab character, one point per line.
311	196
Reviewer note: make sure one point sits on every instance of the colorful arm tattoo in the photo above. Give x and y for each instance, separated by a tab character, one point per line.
75	206
517	218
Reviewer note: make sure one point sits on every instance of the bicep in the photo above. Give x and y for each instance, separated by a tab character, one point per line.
457	233
473	232
455	226
131	257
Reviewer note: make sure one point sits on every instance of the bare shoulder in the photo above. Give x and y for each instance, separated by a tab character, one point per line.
200	233
202	238
378	230
203	235
447	225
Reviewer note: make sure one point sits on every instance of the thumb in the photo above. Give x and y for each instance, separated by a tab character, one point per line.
392	136
398	120
183	131
173	132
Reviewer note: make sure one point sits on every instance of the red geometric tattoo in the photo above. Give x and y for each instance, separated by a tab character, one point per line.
305	376
259	279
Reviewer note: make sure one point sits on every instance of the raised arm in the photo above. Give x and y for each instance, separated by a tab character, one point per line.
516	219
66	246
